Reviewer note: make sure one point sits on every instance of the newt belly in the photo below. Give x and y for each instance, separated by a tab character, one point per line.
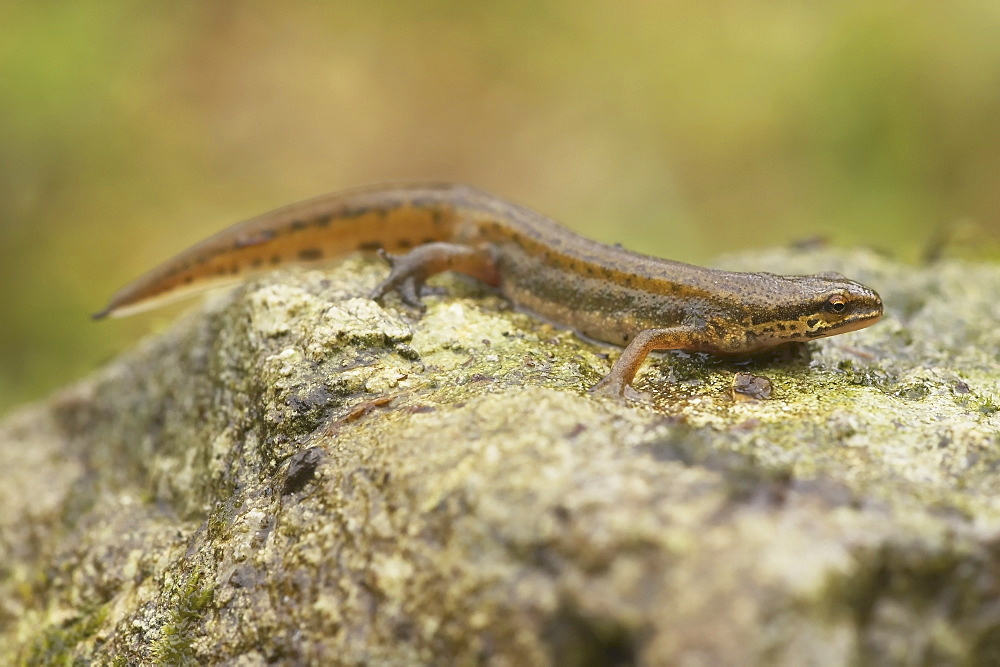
605	292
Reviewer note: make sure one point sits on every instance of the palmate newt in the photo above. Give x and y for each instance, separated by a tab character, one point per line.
604	292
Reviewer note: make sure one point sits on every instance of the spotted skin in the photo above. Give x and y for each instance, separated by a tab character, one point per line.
604	292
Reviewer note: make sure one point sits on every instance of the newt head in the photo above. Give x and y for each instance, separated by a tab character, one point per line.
802	308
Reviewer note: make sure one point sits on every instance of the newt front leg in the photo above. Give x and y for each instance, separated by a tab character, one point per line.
618	381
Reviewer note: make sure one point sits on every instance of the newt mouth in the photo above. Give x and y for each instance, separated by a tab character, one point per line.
856	323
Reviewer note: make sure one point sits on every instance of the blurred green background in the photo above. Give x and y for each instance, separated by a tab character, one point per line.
130	129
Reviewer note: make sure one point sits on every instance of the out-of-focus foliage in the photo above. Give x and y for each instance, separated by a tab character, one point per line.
129	129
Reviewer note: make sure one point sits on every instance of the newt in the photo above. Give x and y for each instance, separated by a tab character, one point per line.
602	292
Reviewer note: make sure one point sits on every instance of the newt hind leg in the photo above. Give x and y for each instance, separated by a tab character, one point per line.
409	272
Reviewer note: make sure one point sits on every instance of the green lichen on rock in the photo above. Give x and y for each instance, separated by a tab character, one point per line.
294	473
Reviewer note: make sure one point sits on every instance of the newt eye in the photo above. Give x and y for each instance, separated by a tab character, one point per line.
836	304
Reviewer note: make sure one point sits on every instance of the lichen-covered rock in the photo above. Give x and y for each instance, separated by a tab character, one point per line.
297	474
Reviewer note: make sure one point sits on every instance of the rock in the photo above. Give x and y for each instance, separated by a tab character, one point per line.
296	474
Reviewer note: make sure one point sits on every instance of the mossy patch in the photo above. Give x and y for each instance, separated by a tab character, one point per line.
187	606
64	644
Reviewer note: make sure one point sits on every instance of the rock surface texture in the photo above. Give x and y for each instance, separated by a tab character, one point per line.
296	474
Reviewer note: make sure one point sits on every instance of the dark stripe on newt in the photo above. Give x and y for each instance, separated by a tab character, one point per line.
356	212
310	254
